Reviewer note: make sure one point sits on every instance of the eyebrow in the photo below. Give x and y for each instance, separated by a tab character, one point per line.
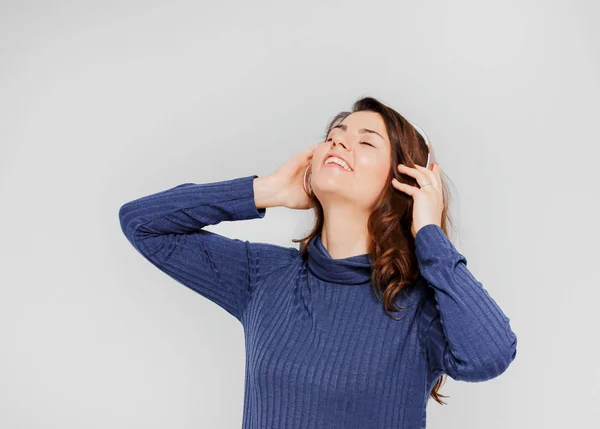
362	130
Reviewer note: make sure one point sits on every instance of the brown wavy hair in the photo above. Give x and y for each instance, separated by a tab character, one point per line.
391	244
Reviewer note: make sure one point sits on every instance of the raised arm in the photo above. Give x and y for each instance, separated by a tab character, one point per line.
467	335
167	229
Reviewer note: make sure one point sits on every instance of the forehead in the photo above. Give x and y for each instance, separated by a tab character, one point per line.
365	119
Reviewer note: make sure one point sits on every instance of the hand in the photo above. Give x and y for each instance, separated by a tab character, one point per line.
290	180
428	199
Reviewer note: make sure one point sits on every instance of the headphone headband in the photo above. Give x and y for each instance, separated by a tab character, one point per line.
430	156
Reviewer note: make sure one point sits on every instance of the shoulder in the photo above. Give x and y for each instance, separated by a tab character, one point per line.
266	258
273	252
419	296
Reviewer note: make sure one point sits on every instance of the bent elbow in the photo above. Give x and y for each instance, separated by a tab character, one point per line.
125	220
485	367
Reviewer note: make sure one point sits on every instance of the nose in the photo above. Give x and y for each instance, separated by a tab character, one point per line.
341	143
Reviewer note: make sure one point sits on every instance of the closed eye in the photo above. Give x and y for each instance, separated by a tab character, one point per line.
367	143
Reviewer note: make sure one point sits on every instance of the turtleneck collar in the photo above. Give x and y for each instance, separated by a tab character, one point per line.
351	271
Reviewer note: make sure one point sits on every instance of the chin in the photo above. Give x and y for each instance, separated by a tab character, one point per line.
339	186
333	178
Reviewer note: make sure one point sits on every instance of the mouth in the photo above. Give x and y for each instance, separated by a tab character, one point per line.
334	161
337	167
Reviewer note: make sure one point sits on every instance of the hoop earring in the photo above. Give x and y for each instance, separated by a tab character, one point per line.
309	181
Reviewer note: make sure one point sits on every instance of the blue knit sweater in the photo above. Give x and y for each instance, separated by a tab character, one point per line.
320	351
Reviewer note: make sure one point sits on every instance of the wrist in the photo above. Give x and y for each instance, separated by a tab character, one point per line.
266	192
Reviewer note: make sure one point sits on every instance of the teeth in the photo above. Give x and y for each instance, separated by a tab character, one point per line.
338	161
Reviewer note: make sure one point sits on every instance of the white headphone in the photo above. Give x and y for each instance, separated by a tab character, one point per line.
430	157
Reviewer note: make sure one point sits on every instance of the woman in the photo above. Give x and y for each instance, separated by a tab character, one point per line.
323	349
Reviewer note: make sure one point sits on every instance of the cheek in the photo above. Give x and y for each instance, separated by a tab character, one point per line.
372	169
318	155
370	179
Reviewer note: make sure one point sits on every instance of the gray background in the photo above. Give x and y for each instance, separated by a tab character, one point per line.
107	101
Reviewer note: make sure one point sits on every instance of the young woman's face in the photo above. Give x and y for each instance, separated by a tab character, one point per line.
367	153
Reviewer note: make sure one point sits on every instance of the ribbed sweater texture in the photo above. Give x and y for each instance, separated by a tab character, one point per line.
320	350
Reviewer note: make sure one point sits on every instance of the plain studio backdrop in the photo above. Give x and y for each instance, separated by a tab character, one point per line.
105	102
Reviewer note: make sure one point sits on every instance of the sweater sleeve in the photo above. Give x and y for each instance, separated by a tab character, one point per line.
468	336
167	229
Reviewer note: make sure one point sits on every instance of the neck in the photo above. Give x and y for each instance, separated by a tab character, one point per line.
345	232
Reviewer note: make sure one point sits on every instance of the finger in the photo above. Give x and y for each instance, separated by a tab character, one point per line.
421	174
311	149
433	173
438	172
410	190
427	171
